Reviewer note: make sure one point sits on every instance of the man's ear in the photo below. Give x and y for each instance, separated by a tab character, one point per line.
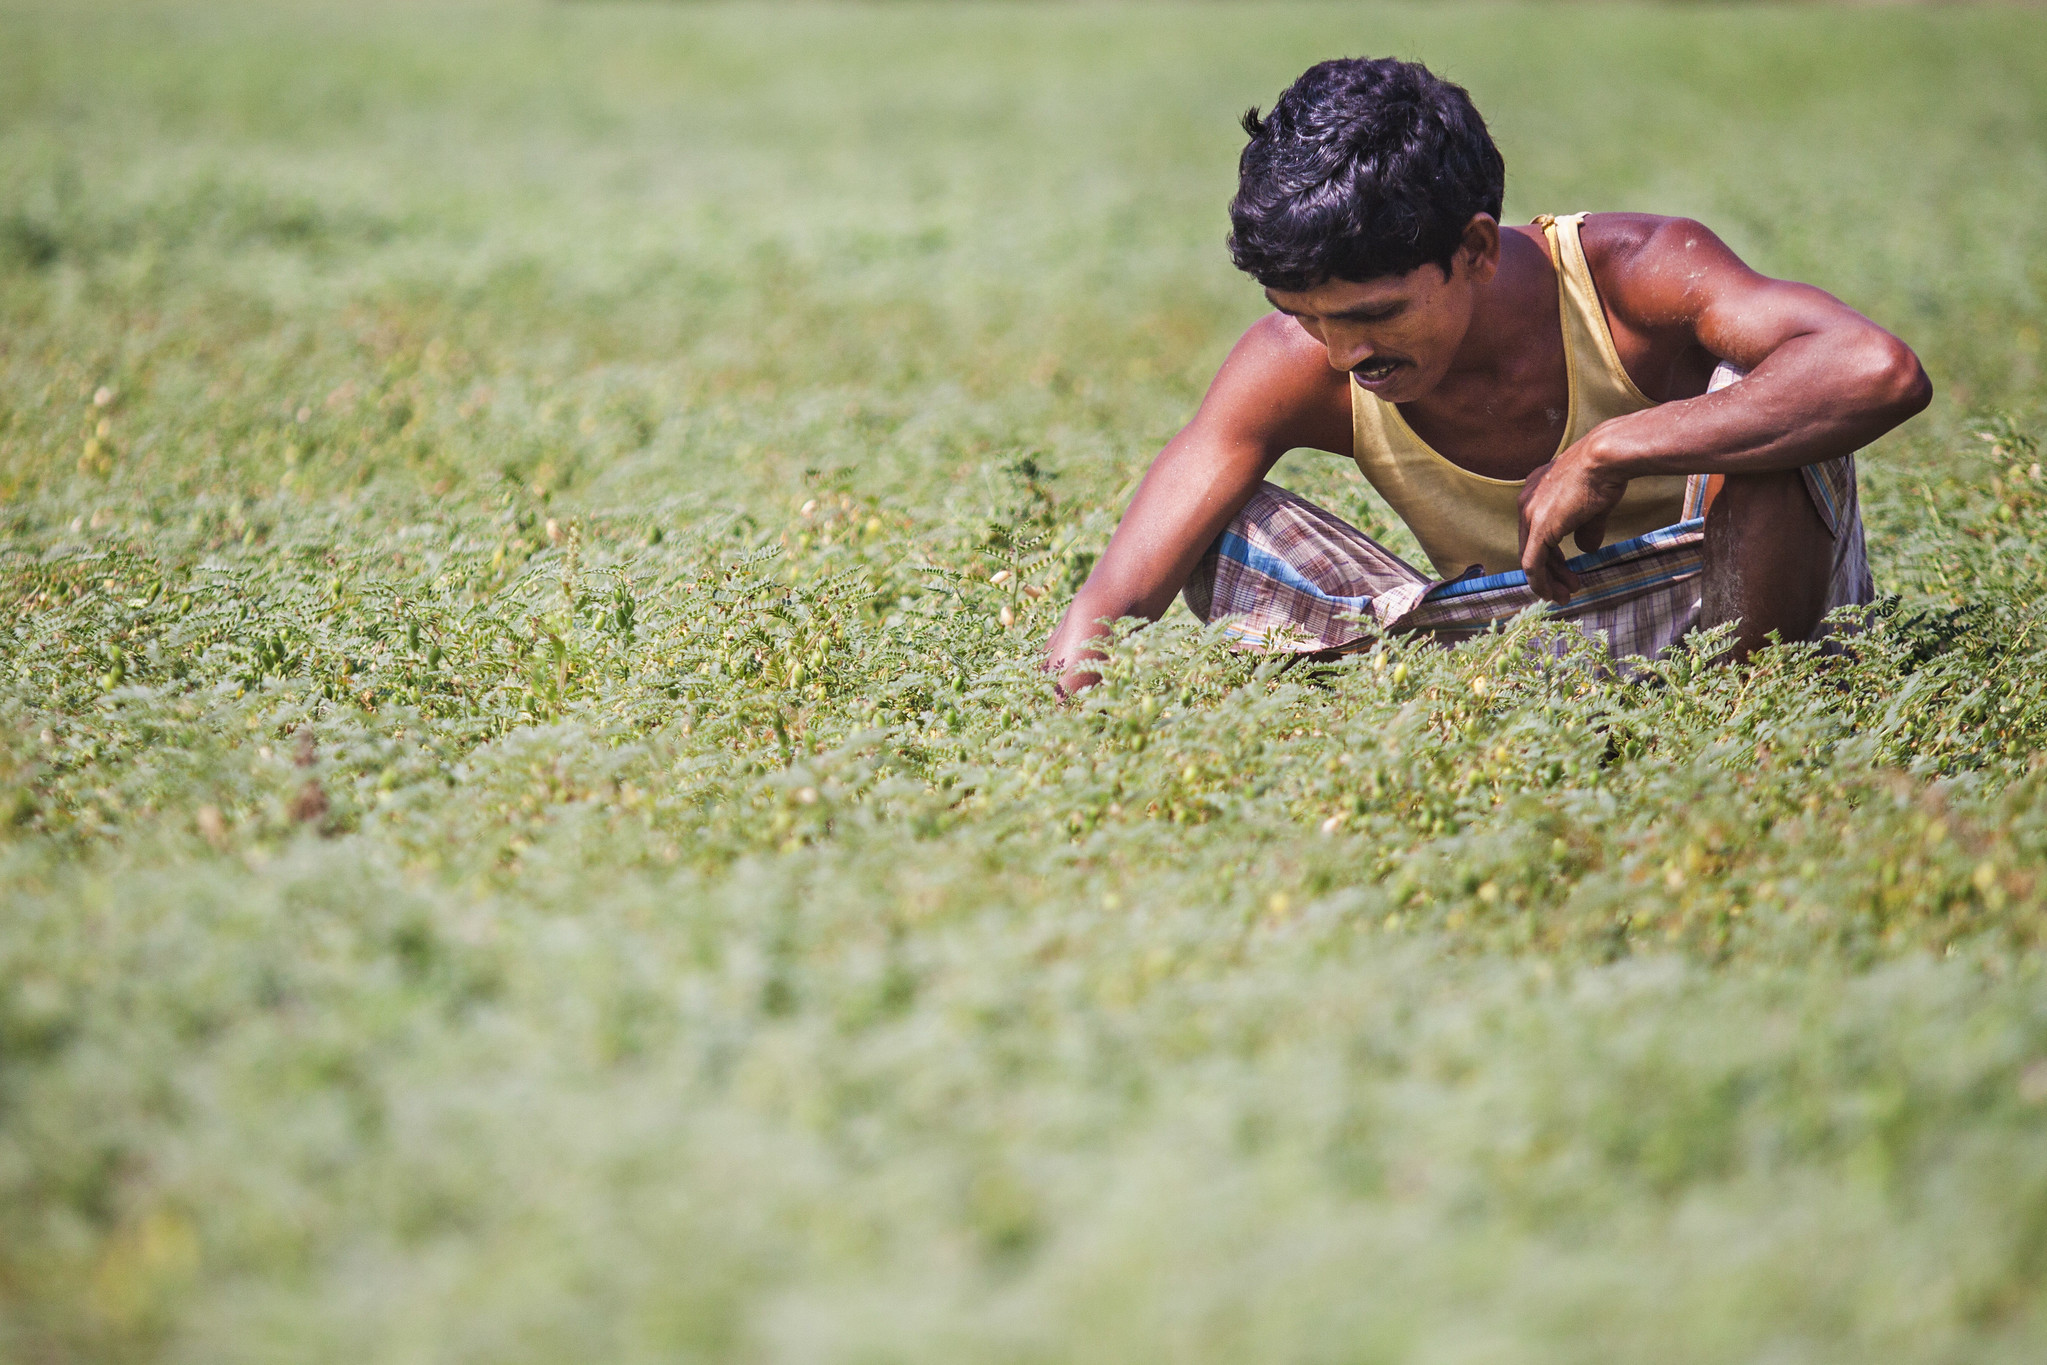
1479	251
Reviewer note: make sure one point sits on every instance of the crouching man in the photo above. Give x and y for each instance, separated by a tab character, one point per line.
1619	380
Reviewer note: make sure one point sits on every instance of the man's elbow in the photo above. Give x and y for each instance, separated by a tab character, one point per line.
1893	381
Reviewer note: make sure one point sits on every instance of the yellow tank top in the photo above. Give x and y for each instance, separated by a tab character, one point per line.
1462	518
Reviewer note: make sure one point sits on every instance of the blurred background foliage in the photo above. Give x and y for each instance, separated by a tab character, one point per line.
532	828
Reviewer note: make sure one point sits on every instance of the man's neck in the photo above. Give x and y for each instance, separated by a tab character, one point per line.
1511	315
1504	401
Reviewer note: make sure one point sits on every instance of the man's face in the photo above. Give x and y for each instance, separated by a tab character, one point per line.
1396	334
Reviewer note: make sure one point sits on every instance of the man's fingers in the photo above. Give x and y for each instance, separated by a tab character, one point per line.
1549	576
1533	564
1562	582
1561	574
1522	504
1592	534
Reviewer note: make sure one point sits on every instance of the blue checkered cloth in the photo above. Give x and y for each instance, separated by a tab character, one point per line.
1289	576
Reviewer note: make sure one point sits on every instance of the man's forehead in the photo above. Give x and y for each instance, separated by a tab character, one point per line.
1337	296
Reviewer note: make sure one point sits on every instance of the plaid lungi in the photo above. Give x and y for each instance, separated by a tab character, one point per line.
1292	577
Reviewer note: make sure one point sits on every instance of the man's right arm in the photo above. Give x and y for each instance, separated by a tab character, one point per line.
1275	393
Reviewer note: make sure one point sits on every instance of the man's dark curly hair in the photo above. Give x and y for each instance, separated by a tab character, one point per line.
1365	167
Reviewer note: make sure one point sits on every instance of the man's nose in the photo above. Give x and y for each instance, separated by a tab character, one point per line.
1347	351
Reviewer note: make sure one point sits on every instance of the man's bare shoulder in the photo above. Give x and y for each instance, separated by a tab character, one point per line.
1278	342
1621	239
1655	270
1277	388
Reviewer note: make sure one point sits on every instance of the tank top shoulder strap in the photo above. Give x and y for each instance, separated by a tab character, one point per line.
1603	386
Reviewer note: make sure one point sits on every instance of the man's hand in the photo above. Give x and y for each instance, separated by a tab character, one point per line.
1568	494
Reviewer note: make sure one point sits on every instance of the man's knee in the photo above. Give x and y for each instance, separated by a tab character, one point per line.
1771	494
1768	558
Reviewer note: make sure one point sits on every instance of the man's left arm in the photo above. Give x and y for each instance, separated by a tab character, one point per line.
1822	381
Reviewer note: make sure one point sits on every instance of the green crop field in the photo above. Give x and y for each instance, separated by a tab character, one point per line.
531	831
